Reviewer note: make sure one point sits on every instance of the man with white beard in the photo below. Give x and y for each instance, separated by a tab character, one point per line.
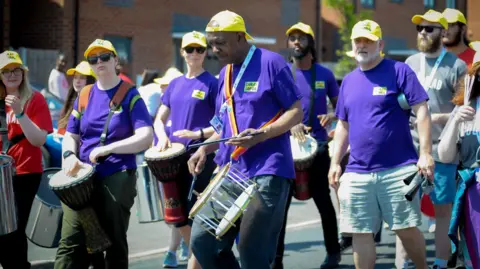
382	152
438	71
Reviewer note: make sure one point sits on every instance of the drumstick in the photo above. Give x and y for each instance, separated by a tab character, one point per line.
219	141
191	188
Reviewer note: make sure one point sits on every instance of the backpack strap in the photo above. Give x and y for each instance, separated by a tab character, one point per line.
83	98
120	94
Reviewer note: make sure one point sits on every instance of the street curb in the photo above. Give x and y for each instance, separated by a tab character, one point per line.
48	264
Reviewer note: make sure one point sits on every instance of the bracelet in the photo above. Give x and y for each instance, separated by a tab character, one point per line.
202	136
19	116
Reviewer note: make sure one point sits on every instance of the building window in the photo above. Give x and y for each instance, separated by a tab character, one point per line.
290	12
396	1
119	3
429	3
368	3
450	3
123	46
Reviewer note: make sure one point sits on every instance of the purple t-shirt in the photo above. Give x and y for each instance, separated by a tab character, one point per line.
325	84
266	87
122	125
192	104
379	134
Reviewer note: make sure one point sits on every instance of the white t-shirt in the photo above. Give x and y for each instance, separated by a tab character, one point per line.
58	84
152	96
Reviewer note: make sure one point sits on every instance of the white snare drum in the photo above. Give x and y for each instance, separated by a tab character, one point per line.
303	153
223	201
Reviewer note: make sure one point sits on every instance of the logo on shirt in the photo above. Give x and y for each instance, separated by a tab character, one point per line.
319	84
379	91
251	86
198	94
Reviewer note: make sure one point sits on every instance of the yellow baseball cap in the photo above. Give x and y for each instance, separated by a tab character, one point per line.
100	43
9	57
82	68
194	37
368	29
302	27
431	16
454	15
475	45
227	21
171	74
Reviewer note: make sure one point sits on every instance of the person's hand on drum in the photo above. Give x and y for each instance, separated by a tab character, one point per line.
298	132
71	165
196	163
246	140
99	152
334	175
187	134
163	143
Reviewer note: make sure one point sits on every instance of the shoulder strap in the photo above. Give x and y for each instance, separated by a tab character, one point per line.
120	94
313	80
83	98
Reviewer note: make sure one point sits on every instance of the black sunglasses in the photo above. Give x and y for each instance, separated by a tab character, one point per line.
103	57
189	50
428	29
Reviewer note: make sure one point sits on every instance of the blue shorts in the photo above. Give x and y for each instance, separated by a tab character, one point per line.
445	184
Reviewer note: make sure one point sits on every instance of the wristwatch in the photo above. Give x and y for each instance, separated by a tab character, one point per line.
67	154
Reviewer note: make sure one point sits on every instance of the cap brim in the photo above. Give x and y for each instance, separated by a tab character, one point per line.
417	19
201	44
248	37
17	64
365	35
161	81
87	52
71	71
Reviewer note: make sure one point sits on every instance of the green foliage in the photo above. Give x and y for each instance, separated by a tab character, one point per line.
346	64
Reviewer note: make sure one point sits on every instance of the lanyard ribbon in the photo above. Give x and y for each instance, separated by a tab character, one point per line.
428	80
229	91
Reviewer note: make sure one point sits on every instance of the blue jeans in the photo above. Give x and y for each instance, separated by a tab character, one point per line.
259	229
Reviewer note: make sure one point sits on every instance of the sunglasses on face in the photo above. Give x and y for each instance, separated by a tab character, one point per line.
428	29
7	73
200	50
103	57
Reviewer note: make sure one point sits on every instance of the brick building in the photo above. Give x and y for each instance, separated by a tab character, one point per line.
148	32
473	18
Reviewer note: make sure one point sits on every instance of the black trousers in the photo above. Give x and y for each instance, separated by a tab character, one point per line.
320	192
14	246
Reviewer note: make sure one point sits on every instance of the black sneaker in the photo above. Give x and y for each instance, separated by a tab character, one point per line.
452	261
345	243
331	261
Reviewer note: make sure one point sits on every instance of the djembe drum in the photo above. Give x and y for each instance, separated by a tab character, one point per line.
303	157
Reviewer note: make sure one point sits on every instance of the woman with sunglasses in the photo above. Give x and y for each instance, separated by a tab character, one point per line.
28	122
190	102
82	76
462	138
129	132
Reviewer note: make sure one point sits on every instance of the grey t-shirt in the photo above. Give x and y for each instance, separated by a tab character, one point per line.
442	88
468	144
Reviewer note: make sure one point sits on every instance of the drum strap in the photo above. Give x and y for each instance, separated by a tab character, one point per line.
231	111
313	76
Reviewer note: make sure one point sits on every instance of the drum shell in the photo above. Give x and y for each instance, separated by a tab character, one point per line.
149	199
302	190
77	195
8	209
166	170
45	222
173	207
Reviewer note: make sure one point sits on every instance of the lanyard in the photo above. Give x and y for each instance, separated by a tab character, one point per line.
428	80
229	92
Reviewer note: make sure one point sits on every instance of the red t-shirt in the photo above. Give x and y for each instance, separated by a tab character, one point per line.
28	158
467	56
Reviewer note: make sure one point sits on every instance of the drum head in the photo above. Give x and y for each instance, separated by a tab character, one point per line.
305	150
175	150
60	180
44	193
205	195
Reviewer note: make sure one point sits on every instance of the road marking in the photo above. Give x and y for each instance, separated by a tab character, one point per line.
153	252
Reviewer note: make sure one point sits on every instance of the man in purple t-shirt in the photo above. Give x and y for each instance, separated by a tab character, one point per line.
315	83
263	100
382	152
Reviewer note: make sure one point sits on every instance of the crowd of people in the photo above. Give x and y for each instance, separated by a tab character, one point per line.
394	120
